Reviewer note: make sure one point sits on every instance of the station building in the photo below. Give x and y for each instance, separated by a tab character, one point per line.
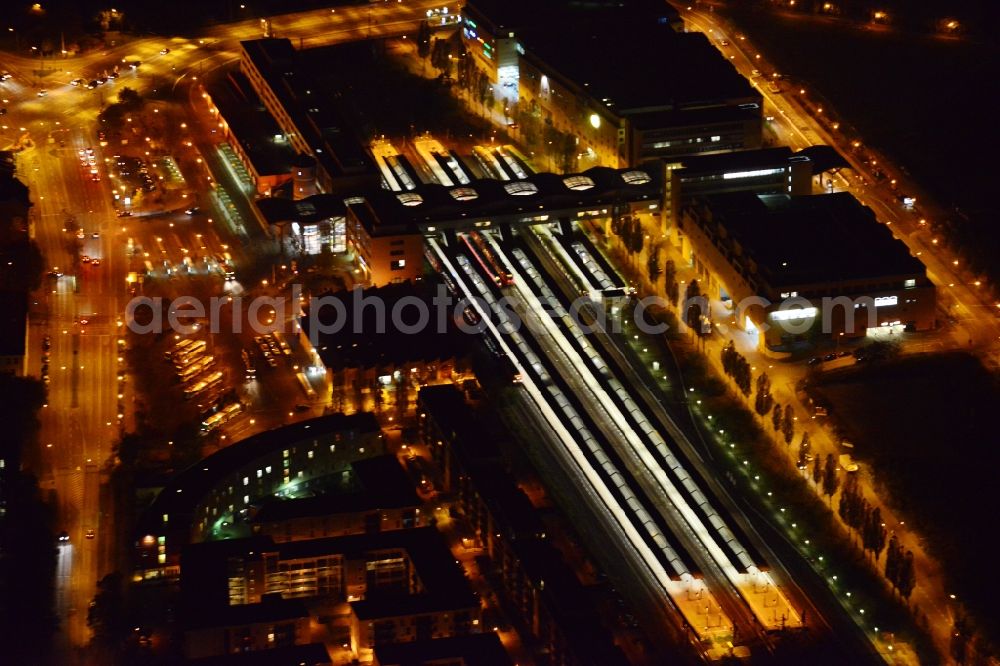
843	271
385	230
622	76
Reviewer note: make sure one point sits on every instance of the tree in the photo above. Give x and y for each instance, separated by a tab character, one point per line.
129	99
853	507
693	306
830	479
653	264
670	281
788	425
874	534
638	237
128	449
441	56
107	616
844	505
764	400
325	261
466	72
776	418
907	578
817	471
893	559
424	40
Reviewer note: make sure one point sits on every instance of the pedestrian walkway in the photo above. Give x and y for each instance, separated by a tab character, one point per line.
236	167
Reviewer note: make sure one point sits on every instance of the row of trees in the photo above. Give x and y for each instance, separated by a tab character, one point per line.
824	475
694	310
863	518
736	366
899	568
866	522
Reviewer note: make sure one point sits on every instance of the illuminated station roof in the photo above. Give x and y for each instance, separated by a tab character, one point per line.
484	199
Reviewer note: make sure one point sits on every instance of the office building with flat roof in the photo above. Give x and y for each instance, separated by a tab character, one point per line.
251	133
622	76
812	249
313	122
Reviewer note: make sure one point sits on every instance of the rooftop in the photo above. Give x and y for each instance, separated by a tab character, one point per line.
570	603
820	159
472	650
812	239
367	337
252	125
472	442
738	160
181	495
313	110
608	48
508	504
383	211
12	189
380	483
272	608
204	566
312	654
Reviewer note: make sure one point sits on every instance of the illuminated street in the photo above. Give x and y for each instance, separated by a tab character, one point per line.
502	333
